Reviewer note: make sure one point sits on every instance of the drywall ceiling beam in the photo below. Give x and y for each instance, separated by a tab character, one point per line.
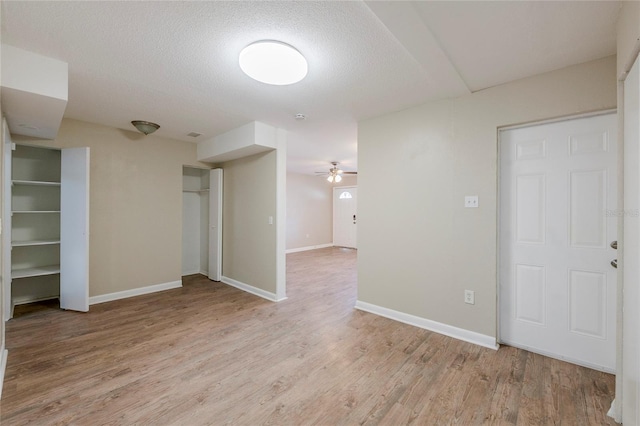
35	91
404	23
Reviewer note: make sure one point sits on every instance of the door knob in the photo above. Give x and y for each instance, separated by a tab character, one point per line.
614	245
614	263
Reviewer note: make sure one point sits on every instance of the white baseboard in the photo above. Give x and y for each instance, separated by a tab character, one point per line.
438	327
251	289
202	272
319	246
3	367
134	292
614	412
191	272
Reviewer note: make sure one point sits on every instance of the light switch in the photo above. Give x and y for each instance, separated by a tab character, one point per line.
270	220
471	201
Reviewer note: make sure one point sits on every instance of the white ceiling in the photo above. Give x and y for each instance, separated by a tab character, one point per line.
176	63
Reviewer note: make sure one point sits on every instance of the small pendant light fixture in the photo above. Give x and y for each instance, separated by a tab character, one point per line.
145	127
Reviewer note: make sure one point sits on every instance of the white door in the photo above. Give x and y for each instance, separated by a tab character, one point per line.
631	265
6	224
74	230
345	203
557	220
215	224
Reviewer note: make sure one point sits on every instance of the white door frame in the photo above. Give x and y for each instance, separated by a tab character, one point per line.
6	225
626	405
499	197
333	212
215	224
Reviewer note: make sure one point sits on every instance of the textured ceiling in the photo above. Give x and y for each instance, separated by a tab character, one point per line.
176	63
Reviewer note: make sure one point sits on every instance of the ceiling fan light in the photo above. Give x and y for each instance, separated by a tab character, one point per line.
338	178
273	62
330	178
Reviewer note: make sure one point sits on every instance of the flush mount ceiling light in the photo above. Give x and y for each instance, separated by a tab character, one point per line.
273	62
145	127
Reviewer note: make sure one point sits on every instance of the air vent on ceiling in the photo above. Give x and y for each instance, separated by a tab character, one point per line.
194	134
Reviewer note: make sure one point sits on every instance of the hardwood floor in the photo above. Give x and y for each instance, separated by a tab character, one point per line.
210	354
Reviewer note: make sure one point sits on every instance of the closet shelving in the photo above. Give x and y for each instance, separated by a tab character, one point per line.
35	219
45	240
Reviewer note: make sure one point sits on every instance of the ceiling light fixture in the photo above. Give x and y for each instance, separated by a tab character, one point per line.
145	127
334	178
273	62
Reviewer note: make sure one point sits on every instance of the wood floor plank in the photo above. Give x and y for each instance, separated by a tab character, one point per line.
208	354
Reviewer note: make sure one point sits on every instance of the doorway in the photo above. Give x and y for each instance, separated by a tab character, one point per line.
557	224
202	222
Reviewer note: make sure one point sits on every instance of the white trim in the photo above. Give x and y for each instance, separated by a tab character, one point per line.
191	272
94	300
558	119
319	246
251	289
438	327
3	367
614	411
561	358
203	272
281	215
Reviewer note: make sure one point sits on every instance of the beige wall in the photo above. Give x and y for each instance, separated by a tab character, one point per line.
419	248
310	209
135	204
348	180
248	241
628	34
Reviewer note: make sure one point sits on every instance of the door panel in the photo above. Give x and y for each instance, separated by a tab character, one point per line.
74	230
557	287
530	293
215	224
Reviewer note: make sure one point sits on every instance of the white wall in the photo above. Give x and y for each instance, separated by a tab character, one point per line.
419	248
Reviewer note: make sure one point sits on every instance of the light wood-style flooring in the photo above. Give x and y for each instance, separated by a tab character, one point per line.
210	354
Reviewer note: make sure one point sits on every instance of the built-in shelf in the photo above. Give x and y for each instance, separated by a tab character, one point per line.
34	211
35	183
34	243
35	272
195	190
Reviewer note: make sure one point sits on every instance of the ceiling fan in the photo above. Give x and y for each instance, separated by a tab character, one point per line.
334	173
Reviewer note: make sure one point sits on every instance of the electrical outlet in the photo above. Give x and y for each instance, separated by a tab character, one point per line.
471	201
470	297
